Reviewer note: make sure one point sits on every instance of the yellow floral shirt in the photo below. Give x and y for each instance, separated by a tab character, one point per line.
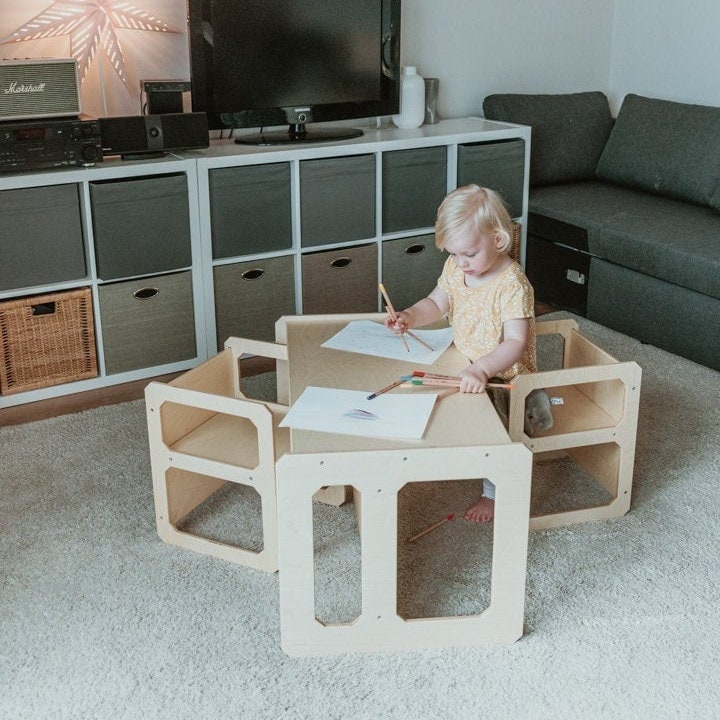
477	314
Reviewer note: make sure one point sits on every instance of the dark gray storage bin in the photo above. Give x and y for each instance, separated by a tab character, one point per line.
42	237
141	225
497	165
557	262
251	296
250	209
340	281
337	200
410	268
147	322
414	183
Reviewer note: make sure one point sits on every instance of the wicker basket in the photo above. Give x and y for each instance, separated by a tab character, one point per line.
47	340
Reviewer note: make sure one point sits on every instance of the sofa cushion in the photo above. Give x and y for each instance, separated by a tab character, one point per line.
674	241
715	200
568	131
664	147
664	314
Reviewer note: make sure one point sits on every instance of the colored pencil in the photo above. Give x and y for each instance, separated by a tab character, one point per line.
419	339
450	380
391	312
436	383
387	388
434	526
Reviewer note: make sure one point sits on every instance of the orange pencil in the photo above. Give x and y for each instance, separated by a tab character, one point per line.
427	530
391	312
419	339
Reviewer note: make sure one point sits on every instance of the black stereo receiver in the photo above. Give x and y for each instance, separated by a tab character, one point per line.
42	144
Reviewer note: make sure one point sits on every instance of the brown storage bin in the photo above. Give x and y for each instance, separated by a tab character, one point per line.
147	322
251	296
47	340
340	281
411	267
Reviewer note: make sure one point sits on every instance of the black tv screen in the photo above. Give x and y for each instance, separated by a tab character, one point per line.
265	63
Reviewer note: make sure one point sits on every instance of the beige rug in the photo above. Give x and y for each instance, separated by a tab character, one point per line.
100	620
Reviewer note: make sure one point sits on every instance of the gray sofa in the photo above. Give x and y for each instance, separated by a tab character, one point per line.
624	221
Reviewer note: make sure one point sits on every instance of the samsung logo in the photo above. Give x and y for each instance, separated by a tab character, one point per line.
22	89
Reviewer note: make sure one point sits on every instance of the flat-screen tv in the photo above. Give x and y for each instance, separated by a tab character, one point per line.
268	63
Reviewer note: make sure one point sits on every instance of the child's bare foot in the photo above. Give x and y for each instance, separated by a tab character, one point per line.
482	511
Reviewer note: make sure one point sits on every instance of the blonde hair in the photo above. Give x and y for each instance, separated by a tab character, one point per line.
474	209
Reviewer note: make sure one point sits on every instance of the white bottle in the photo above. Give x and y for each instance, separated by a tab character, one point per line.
412	100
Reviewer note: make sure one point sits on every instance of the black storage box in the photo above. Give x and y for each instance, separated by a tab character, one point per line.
414	183
557	263
498	165
250	209
141	225
337	200
42	237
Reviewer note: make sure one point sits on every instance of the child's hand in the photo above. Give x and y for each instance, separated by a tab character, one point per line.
400	324
473	380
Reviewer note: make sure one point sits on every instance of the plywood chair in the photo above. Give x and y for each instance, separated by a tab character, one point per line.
378	476
204	432
596	424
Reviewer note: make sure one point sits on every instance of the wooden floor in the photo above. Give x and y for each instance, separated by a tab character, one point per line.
125	392
78	402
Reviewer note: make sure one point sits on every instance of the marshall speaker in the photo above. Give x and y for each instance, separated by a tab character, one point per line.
38	88
153	135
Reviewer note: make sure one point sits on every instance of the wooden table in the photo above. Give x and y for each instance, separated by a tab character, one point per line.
464	440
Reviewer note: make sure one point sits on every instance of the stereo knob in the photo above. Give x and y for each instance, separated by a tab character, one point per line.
90	154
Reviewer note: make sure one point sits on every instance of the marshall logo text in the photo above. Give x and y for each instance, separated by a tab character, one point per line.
15	88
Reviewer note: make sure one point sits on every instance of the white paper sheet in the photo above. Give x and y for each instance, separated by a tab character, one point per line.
372	338
346	412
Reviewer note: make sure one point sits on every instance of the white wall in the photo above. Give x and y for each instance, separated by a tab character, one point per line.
666	49
477	47
658	48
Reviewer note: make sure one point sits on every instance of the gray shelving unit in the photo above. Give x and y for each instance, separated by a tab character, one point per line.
182	251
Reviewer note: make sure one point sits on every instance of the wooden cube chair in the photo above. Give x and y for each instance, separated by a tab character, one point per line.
203	433
596	424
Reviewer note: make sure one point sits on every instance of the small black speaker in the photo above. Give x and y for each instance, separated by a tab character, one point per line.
164	96
140	136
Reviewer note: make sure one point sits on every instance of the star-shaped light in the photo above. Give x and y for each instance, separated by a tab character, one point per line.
90	24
